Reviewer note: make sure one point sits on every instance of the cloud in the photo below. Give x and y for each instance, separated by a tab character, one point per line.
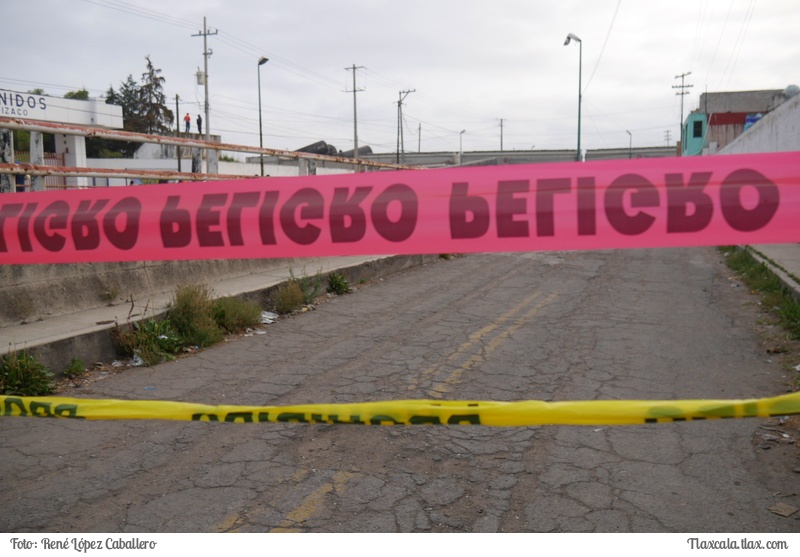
470	63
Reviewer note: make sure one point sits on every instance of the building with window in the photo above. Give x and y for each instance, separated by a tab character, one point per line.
722	117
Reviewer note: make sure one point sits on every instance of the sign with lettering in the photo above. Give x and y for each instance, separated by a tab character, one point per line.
410	412
689	201
92	112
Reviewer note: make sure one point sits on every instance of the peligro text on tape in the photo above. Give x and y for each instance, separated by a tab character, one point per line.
411	412
596	205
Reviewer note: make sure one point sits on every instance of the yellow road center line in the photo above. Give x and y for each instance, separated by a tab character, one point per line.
474	338
312	503
444	386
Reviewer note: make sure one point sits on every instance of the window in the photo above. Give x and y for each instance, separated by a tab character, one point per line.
697	130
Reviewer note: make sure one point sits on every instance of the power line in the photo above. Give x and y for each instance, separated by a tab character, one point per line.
603	48
125	7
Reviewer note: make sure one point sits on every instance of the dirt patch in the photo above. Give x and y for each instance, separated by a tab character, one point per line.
780	435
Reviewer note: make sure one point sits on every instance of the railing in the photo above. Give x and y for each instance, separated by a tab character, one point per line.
50	160
10	167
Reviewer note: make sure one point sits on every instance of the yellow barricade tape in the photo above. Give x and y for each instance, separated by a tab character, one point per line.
411	412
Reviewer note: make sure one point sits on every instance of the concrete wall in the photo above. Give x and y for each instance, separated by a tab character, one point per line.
777	131
30	293
741	101
93	112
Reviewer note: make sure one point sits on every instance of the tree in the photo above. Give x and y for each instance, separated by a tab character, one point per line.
80	95
144	110
155	116
127	98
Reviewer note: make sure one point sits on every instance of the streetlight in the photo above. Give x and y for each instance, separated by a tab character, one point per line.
261	62
461	146
573	37
630	144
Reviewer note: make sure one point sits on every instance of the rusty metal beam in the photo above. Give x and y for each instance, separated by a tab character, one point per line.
120	135
71	171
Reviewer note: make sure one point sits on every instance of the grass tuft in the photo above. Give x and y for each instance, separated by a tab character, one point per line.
21	374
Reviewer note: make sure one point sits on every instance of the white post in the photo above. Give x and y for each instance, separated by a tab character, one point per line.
37	157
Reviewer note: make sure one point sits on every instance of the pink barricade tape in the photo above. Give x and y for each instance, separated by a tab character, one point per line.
689	201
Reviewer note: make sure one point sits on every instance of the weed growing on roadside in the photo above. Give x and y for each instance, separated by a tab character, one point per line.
776	297
75	368
288	297
235	315
109	293
338	285
21	374
191	313
311	287
152	340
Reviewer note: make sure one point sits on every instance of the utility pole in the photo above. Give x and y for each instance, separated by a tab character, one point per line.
206	54
681	93
355	111
419	138
667	136
400	144
501	134
178	129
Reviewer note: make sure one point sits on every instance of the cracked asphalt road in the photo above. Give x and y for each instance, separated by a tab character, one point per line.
642	324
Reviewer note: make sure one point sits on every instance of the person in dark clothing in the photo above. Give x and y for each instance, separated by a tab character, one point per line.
199	124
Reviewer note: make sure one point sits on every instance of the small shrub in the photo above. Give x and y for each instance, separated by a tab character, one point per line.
21	374
235	315
311	287
75	368
289	297
192	315
338	285
152	340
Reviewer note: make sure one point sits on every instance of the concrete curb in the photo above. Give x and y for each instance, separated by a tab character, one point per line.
91	341
789	280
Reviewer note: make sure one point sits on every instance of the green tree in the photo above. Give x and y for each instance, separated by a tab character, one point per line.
80	95
128	98
144	110
155	116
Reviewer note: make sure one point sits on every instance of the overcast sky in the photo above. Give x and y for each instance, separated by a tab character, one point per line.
470	63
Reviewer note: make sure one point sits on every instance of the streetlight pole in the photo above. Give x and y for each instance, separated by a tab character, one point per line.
630	144
461	146
261	62
573	37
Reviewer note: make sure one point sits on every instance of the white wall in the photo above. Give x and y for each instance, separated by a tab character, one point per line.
93	112
778	131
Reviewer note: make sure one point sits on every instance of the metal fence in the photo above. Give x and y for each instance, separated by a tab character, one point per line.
56	174
50	159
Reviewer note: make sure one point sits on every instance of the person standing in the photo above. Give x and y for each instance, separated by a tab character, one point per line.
188	120
199	125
